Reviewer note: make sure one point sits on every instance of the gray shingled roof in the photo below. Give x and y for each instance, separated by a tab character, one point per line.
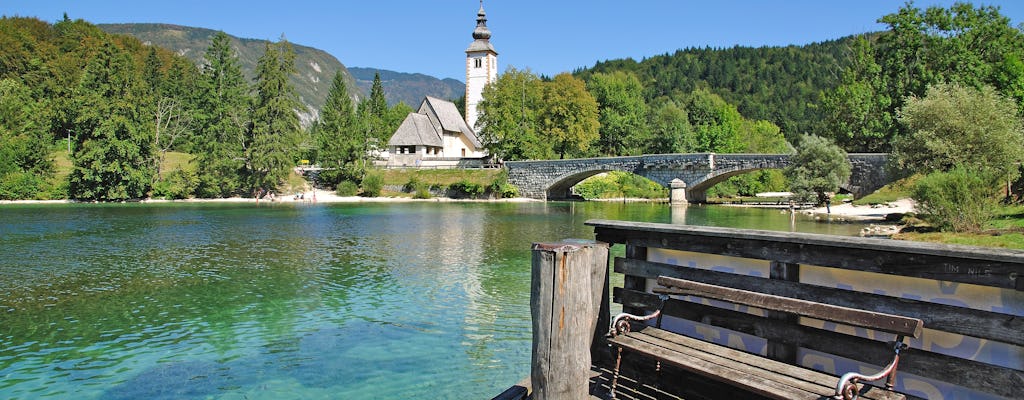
481	45
450	118
416	129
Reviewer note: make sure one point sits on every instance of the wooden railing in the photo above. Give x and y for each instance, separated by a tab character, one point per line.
971	301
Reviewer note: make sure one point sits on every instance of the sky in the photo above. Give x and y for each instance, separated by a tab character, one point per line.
546	36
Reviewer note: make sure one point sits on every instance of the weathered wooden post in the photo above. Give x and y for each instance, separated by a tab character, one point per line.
567	286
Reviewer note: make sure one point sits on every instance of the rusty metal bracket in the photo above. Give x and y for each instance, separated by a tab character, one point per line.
846	388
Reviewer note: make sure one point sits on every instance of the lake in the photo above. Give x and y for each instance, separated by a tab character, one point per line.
238	301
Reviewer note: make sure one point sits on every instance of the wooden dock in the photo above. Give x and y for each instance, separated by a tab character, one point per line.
970	301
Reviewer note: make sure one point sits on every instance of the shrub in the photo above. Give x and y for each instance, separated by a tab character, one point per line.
961	200
467	188
177	184
19	186
347	188
500	187
422	192
373	184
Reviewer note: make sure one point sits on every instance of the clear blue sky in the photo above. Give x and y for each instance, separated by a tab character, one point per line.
548	36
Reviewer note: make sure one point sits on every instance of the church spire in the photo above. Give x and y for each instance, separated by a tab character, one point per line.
481	32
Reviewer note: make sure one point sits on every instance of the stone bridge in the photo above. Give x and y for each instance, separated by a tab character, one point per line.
553	179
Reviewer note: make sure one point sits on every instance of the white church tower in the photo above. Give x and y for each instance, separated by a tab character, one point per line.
481	66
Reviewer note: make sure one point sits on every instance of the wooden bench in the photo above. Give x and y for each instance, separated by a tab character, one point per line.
765	377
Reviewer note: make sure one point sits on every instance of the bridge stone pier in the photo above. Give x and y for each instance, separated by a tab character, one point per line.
554	179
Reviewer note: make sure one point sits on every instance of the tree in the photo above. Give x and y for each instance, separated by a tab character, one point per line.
272	140
374	111
569	118
817	168
113	157
620	101
24	160
509	117
962	199
222	120
716	123
670	129
957	126
341	141
969	46
858	115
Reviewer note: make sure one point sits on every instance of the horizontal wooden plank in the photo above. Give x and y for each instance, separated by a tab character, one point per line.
966	264
894	324
960	320
717	372
957	371
798	377
757	374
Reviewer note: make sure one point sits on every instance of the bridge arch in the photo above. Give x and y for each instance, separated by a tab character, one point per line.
552	179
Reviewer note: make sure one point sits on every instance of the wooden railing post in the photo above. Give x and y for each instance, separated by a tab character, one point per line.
565	299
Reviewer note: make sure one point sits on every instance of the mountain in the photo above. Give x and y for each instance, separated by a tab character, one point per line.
408	88
315	68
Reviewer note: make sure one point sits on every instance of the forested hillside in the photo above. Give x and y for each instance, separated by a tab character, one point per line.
777	84
314	67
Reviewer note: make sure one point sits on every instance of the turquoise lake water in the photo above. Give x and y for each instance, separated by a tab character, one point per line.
289	301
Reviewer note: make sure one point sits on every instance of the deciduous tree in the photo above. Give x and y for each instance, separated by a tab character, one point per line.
818	167
569	117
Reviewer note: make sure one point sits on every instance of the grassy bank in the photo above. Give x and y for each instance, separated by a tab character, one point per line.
440	177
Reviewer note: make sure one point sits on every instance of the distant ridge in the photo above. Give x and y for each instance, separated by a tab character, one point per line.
408	87
315	67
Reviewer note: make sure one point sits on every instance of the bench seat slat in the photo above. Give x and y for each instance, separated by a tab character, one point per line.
759	375
894	324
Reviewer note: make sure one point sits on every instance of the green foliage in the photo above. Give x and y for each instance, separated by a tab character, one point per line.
374	113
347	188
509	117
569	117
858	115
818	167
272	141
500	187
623	113
113	155
416	186
619	184
963	199
20	185
178	184
220	158
959	126
341	142
467	189
373	184
670	127
24	158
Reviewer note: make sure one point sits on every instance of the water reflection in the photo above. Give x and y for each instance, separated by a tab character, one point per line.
289	301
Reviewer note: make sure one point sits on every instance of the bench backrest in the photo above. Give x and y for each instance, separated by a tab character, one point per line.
971	300
895	324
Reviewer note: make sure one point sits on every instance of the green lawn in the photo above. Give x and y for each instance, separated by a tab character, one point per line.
440	176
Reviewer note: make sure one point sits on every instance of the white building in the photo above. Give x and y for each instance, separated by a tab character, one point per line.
436	135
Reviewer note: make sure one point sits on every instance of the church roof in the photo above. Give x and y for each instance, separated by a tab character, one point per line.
416	129
449	117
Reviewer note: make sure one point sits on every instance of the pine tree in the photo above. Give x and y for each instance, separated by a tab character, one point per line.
375	111
272	139
223	120
340	139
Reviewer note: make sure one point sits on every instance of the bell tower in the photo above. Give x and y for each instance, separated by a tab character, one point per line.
481	66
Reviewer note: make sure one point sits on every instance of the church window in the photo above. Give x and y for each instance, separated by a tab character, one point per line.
477	62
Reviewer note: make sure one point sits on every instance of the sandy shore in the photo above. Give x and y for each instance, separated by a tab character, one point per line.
850	211
319	196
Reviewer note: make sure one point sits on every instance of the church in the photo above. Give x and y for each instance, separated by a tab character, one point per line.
436	135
